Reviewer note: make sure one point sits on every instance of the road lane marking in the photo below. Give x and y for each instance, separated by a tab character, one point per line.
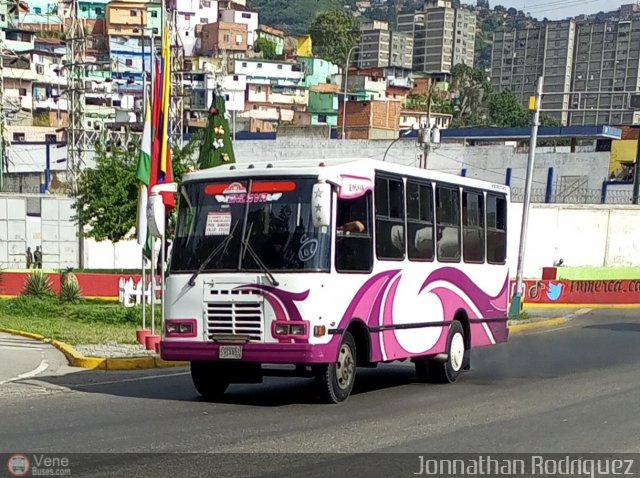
44	365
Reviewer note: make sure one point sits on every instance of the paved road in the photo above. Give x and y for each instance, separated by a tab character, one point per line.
22	358
572	389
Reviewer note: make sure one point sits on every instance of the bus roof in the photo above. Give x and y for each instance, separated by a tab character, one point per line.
353	166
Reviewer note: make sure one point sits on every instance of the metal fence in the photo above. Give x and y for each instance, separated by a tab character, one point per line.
576	196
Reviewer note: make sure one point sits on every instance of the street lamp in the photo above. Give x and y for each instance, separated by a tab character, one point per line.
402	135
344	99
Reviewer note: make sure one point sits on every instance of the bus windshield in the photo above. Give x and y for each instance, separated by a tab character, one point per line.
271	217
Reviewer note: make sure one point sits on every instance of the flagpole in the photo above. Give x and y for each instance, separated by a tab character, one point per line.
153	287
143	290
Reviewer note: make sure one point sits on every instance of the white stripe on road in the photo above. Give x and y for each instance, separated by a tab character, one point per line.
44	365
20	346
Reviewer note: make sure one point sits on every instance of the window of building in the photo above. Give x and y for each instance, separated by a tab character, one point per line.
246	15
226	97
128	62
448	223
187	16
322	118
133	13
154	30
354	244
279	67
50	138
473	226
259	65
419	221
389	218
258	89
40	69
235	77
496	229
18	137
204	20
118	28
154	14
98	11
22	92
226	37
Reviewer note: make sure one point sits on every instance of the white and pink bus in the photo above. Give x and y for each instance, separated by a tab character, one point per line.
330	265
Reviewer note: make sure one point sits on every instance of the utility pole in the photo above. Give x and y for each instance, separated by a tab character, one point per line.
176	101
77	143
344	99
534	104
425	132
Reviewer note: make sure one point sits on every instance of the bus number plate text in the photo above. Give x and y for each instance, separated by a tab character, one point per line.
230	352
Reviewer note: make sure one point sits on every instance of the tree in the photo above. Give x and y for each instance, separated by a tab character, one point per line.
107	199
334	34
216	148
267	47
506	110
471	88
293	17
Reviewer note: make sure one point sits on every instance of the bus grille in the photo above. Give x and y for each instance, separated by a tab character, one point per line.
235	320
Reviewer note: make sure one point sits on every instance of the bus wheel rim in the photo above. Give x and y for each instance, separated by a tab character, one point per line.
345	367
457	351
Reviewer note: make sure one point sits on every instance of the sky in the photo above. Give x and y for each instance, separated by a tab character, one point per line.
559	9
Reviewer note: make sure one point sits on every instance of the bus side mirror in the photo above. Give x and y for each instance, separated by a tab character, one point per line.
156	214
321	204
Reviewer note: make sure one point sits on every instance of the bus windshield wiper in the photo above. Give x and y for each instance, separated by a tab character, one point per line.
222	247
261	265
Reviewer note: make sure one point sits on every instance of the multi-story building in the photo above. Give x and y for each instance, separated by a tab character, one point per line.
242	16
379	47
607	57
580	63
275	91
49	105
222	39
443	36
521	57
323	104
192	13
317	71
274	35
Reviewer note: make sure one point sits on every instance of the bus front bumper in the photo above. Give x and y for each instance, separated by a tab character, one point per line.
251	353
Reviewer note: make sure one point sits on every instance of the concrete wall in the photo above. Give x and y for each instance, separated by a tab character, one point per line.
484	162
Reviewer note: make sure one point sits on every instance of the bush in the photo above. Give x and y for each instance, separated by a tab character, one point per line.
69	288
38	285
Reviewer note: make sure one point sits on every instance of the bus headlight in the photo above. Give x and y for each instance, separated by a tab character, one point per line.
282	329
180	328
298	329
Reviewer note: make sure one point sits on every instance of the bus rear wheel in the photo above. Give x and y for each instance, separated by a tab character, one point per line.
336	379
434	371
209	380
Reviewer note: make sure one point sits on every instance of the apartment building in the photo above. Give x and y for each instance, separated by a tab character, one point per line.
443	36
381	47
580	64
520	57
607	57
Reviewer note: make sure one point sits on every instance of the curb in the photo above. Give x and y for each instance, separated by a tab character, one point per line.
76	359
538	324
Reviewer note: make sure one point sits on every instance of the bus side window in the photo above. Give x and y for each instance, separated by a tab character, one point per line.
473	226
354	244
390	243
496	229
420	221
448	223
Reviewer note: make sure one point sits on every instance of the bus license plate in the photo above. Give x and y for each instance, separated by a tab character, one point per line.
230	352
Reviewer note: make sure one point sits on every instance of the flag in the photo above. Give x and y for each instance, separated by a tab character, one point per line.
143	175
166	169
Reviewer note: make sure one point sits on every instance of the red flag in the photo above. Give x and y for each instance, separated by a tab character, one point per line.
155	128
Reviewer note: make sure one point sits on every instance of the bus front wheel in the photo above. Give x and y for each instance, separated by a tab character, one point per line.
209	380
434	371
336	379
